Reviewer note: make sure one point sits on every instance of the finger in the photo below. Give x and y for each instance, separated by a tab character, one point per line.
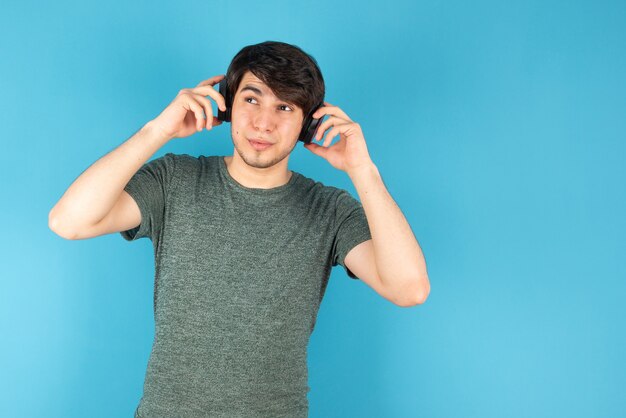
193	105
331	110
321	130
211	81
317	149
215	95
340	113
331	134
208	110
325	125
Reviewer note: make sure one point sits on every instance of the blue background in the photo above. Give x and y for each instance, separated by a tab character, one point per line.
498	128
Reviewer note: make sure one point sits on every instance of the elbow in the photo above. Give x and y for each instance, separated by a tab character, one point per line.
423	293
53	224
418	294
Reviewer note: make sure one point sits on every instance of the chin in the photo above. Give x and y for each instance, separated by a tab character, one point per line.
262	160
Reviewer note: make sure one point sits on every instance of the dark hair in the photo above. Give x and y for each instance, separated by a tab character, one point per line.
291	74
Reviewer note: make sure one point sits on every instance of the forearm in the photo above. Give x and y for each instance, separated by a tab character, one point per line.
94	193
399	258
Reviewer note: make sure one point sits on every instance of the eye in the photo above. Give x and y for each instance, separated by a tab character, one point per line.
281	106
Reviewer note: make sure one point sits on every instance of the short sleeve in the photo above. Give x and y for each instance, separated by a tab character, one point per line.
351	228
149	187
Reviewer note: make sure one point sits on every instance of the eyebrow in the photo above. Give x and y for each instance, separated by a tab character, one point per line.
252	88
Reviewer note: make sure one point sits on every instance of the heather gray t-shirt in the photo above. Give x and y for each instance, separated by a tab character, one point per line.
239	276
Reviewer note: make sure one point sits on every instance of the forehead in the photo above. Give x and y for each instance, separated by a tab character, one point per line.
249	76
250	79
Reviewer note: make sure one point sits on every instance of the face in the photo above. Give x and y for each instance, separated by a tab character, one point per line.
258	114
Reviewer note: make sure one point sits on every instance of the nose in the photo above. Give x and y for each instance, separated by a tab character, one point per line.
263	120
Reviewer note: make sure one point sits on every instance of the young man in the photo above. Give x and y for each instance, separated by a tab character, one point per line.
243	246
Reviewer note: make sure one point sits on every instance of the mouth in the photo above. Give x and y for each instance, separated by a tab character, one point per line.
259	144
259	140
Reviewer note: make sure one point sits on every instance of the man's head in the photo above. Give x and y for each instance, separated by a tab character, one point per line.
274	86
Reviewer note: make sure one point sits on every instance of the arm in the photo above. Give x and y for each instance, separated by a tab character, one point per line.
95	192
82	210
399	272
398	257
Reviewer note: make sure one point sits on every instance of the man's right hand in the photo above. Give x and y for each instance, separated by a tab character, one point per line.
184	115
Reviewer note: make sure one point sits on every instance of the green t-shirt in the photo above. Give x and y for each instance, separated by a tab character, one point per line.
239	277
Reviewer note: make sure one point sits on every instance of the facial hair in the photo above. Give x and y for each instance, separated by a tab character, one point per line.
257	161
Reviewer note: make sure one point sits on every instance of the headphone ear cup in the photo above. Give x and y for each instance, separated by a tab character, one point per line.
223	89
308	133
309	127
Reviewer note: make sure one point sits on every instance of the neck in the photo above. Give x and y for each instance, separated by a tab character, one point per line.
257	178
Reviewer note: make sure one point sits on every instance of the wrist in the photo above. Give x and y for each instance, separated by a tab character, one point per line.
155	133
364	170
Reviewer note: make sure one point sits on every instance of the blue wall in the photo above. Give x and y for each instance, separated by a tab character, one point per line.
498	128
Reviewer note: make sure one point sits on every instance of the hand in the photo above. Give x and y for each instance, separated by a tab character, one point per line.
350	152
186	113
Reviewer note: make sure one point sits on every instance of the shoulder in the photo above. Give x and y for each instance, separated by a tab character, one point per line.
185	164
317	188
177	168
328	199
183	159
171	160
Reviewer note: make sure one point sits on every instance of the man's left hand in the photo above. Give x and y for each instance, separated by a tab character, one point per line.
350	152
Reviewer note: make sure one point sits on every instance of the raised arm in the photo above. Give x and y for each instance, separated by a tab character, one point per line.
99	191
96	203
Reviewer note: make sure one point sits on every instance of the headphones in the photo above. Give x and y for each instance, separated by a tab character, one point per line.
309	125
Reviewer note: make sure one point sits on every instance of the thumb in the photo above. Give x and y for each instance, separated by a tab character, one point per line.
316	149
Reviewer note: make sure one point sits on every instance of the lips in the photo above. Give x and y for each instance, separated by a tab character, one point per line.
260	141
259	146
